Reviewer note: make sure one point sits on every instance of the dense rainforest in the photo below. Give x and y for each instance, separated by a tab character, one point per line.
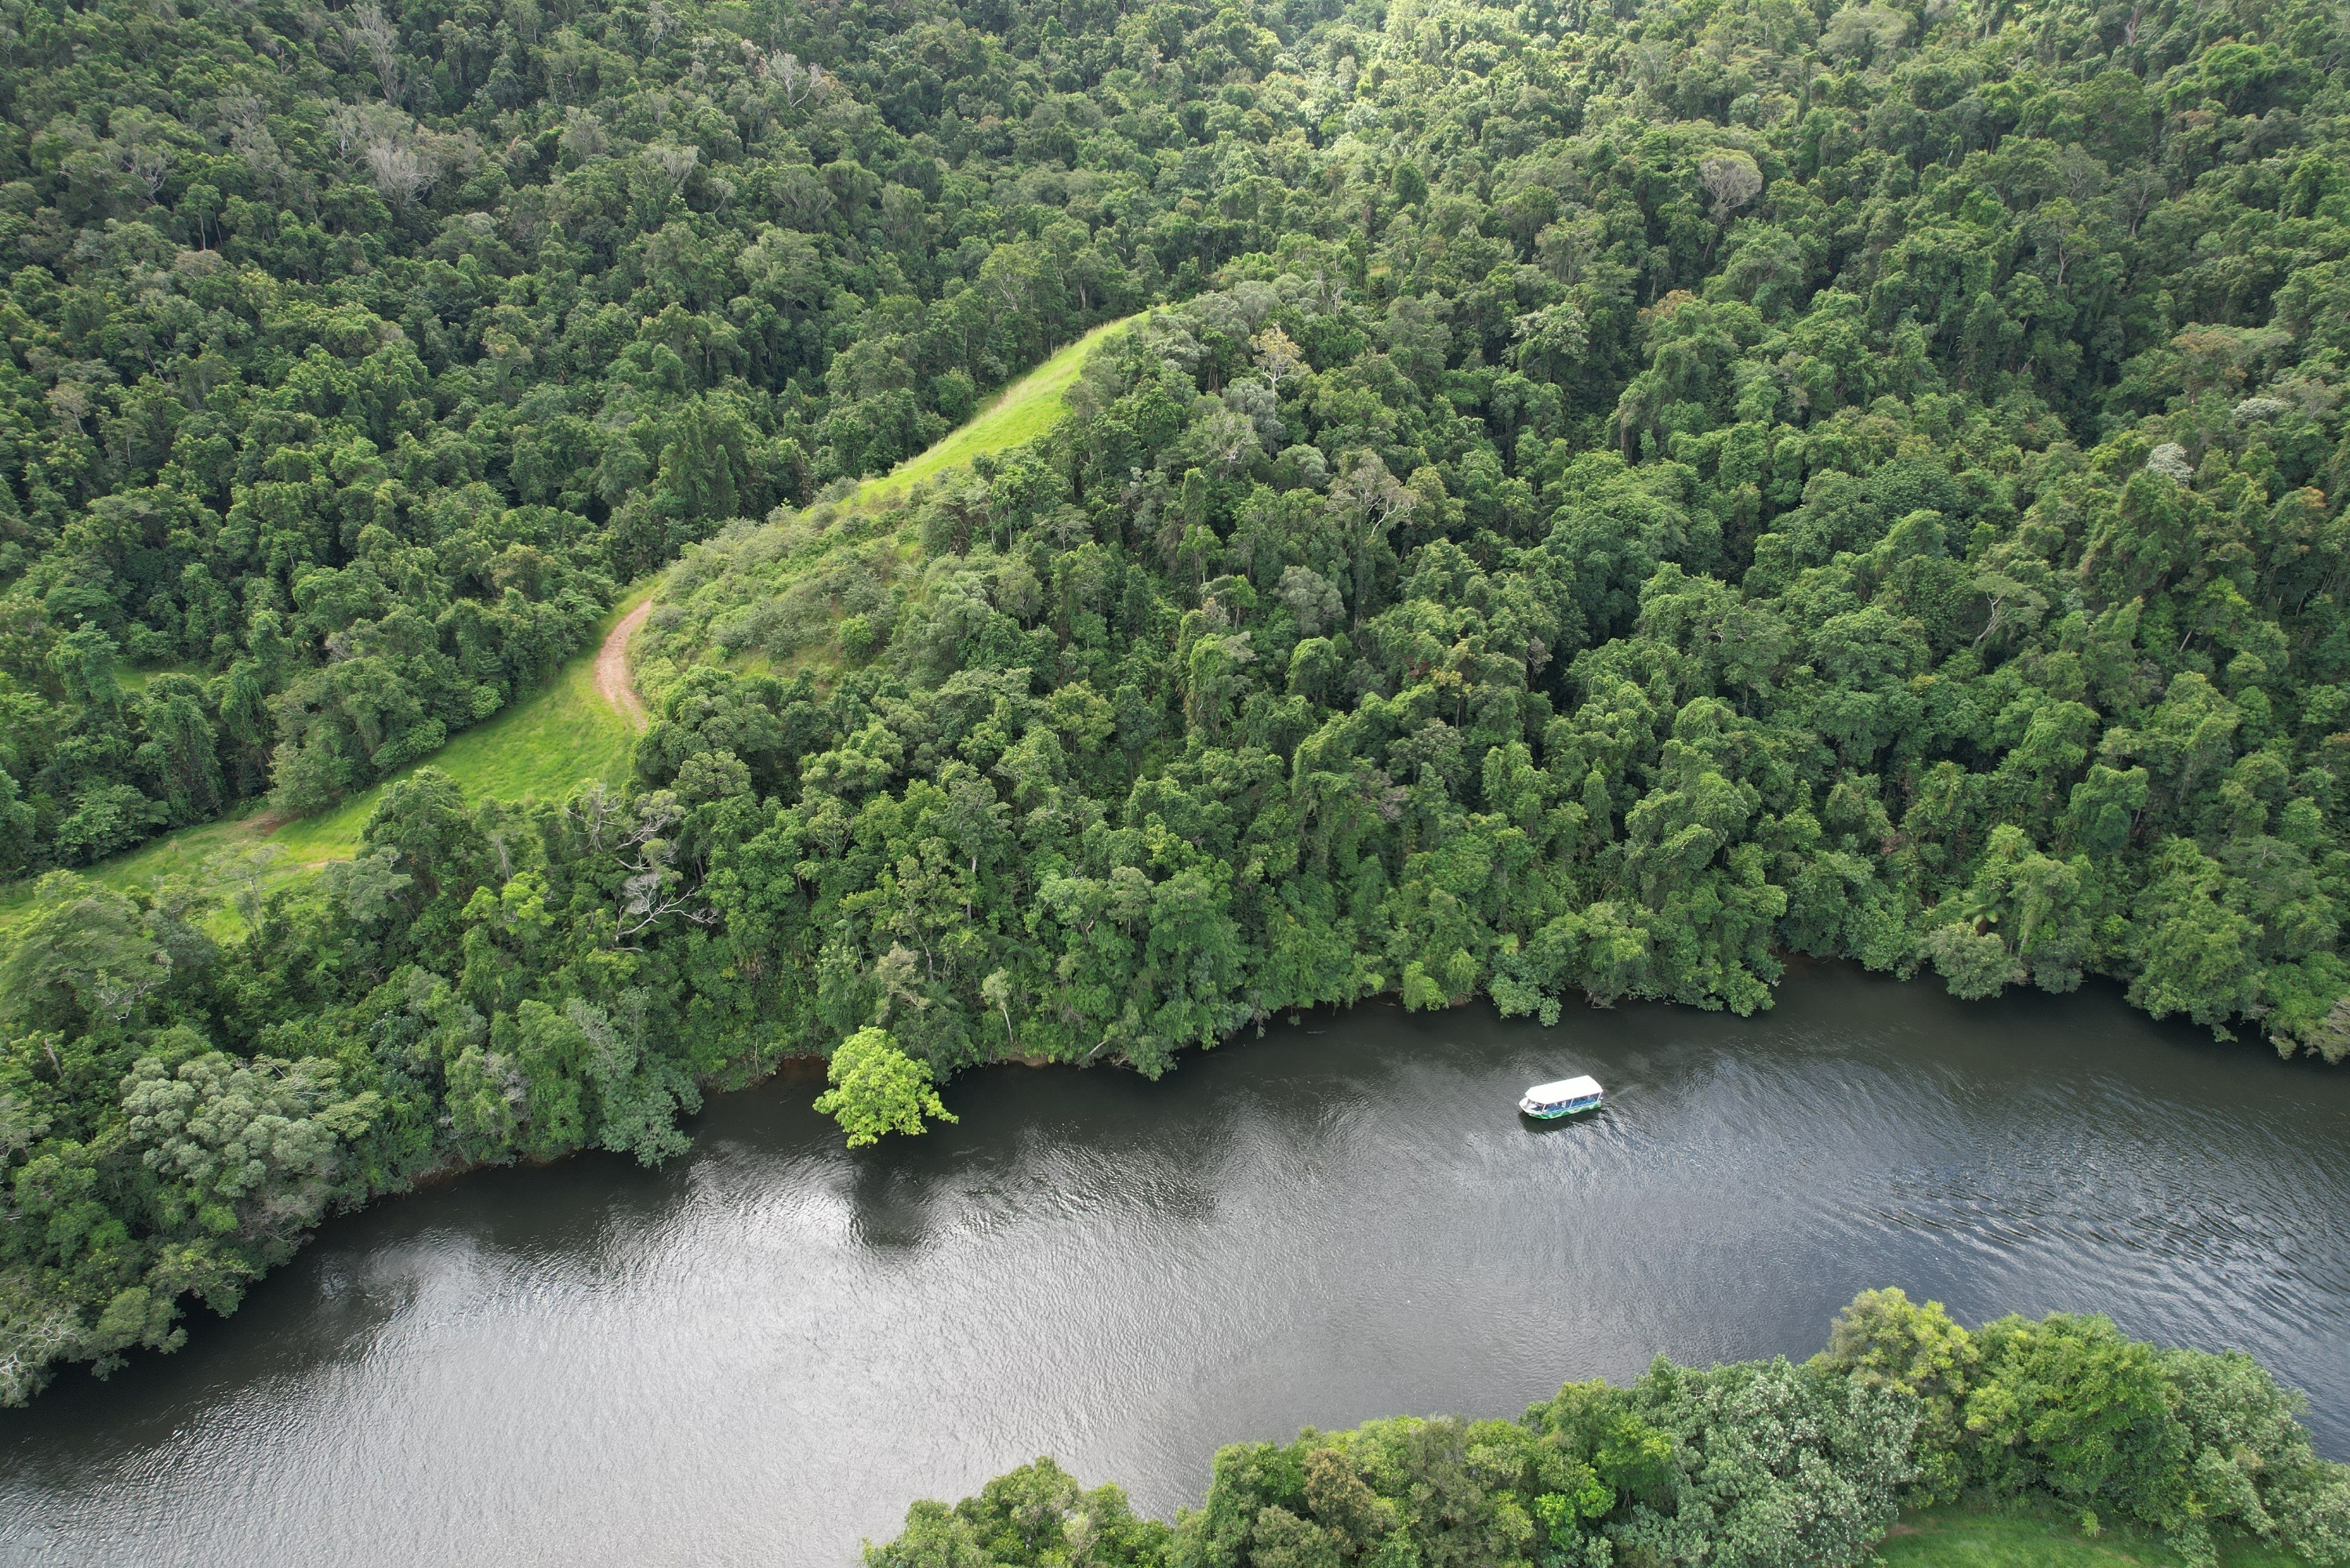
1754	1464
1606	498
354	356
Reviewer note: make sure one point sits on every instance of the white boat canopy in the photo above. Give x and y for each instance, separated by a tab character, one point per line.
1582	1088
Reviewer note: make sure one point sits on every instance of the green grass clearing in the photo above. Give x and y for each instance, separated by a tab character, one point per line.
764	564
548	744
1021	413
1971	1537
543	747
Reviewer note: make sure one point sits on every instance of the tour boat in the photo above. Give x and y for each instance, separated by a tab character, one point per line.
1547	1102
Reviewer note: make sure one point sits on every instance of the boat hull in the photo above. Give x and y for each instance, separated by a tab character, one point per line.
1557	1113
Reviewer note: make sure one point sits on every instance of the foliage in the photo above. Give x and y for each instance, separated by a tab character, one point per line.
1884	1340
2071	1407
2251	1461
1037	1515
878	1088
1019	414
1753	1464
227	1163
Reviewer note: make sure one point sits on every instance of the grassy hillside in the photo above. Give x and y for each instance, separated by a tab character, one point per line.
1021	413
544	745
778	599
548	744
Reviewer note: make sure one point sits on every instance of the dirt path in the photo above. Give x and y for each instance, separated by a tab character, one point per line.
612	682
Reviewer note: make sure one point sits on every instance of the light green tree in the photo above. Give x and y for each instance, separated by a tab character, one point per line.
878	1088
1885	1340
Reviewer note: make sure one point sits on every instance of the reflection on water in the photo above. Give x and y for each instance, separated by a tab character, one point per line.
763	1352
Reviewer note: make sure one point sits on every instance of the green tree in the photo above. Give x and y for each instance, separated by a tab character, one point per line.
877	1088
2070	1405
1883	1339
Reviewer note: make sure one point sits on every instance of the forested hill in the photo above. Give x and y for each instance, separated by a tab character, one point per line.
354	355
1615	500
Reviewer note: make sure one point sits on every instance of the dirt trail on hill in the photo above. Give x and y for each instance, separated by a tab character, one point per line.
612	682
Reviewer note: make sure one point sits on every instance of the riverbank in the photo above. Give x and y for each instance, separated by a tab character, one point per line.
763	1350
2061	1442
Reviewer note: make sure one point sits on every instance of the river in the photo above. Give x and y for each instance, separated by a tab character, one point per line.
760	1355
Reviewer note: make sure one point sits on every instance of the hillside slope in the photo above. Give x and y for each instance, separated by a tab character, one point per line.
544	747
581	726
345	376
818	589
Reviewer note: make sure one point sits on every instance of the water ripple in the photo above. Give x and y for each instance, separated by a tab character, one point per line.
763	1354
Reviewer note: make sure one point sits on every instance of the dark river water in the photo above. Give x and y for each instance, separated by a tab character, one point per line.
761	1355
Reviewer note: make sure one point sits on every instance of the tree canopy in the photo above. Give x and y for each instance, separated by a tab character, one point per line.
878	1088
